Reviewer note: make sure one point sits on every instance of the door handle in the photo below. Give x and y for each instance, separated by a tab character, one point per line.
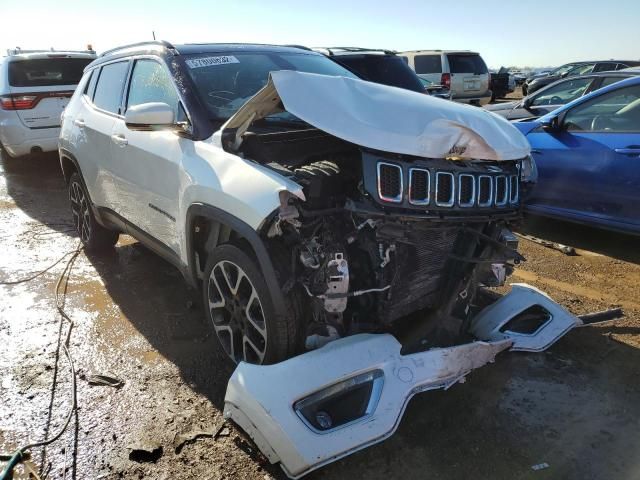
628	151
534	150
79	123
119	140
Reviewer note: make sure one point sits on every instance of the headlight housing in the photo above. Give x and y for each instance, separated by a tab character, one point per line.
341	404
528	170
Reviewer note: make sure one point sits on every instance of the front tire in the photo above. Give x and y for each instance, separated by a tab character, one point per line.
240	308
94	236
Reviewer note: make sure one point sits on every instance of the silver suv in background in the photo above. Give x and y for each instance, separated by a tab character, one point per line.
35	86
461	71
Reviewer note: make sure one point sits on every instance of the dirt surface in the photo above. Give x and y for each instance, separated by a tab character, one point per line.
575	407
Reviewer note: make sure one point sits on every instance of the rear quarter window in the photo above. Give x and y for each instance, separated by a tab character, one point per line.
428	64
109	88
42	72
466	63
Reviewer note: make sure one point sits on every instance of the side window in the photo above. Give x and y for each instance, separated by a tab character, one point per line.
616	111
109	87
609	80
91	84
605	67
428	64
150	82
562	93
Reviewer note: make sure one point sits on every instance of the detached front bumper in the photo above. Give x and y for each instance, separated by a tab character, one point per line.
326	404
262	399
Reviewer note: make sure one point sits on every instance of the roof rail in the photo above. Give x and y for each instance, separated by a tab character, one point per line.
298	46
18	51
162	43
358	49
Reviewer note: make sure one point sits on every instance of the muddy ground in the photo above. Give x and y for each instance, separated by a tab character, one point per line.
575	407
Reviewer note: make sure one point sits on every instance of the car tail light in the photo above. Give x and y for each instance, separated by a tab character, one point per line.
19	102
445	80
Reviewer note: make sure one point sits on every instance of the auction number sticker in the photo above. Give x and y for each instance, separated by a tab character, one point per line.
210	61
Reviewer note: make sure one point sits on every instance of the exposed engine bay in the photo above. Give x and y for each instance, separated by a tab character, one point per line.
387	242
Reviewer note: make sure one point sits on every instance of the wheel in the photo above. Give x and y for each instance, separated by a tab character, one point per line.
93	235
240	307
524	89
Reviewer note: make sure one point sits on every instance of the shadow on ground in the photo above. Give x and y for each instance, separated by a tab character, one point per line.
612	244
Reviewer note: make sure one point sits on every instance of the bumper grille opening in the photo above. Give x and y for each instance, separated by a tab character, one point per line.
502	191
445	189
390	182
466	190
419	186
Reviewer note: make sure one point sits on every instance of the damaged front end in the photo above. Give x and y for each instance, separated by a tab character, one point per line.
408	205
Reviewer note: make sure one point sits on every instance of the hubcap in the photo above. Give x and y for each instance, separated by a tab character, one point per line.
237	314
80	211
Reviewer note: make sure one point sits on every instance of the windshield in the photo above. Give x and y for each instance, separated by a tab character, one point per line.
385	69
563	69
226	82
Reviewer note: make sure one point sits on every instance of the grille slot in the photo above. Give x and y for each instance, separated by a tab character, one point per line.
502	191
485	191
514	189
419	186
389	182
445	189
466	190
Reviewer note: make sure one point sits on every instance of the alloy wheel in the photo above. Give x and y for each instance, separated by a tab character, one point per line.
237	314
80	211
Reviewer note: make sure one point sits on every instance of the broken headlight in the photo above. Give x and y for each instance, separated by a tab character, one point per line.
528	170
342	403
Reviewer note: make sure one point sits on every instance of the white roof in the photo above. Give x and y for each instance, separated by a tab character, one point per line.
384	118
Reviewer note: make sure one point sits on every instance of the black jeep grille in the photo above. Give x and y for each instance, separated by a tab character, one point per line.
419	186
390	182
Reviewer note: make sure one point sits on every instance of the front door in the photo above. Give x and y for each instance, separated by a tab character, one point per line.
591	168
148	163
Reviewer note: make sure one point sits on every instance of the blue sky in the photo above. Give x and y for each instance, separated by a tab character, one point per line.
507	32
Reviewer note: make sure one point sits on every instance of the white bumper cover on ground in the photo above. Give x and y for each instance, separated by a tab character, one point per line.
266	401
260	398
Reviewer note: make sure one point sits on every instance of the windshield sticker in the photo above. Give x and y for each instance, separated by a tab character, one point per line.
210	61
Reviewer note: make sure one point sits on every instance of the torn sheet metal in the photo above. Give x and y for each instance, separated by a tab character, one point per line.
493	323
384	118
261	399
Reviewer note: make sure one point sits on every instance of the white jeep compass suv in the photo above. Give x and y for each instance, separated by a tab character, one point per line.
35	87
305	203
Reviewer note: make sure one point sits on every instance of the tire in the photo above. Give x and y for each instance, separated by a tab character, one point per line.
240	308
94	236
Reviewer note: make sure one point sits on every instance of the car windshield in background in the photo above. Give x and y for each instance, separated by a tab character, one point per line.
465	63
563	69
226	82
41	72
386	69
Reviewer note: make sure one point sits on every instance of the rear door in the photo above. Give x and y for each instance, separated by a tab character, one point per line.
43	86
95	125
429	67
591	169
469	74
147	164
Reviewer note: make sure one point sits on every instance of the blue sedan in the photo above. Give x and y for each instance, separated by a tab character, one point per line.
588	158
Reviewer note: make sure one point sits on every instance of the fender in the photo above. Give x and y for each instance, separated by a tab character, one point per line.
249	234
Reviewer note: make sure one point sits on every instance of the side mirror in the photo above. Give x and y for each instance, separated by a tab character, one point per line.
149	116
553	124
526	103
564	74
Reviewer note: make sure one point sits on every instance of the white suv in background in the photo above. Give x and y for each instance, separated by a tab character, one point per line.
35	87
463	72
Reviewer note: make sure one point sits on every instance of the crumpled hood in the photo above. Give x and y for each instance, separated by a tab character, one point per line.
383	118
